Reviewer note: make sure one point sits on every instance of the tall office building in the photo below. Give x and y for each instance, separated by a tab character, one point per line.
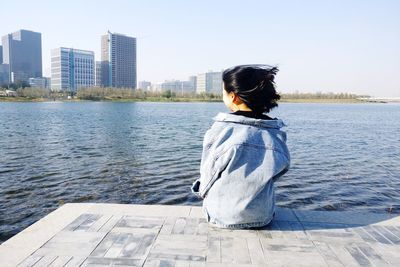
4	74
97	81
209	82
71	69
4	70
22	51
118	56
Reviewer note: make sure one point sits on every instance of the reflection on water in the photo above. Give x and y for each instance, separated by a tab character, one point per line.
344	157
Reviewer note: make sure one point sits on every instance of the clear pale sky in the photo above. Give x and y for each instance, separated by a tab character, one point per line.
319	45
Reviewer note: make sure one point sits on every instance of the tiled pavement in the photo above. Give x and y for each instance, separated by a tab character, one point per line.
139	235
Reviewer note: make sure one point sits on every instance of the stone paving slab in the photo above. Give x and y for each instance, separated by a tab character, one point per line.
155	235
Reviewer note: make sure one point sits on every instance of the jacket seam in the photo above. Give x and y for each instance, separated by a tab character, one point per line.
251	145
215	158
220	154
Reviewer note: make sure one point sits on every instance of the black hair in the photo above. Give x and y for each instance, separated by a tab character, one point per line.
254	85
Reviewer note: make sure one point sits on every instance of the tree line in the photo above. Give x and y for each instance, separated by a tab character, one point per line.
108	93
320	95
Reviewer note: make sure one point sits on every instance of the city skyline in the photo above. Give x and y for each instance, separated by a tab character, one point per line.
329	47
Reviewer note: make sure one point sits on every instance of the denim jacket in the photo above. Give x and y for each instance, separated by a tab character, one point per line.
242	157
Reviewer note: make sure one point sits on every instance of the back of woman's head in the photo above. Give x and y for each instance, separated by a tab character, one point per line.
254	84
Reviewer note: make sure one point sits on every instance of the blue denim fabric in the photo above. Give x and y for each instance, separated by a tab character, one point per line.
242	157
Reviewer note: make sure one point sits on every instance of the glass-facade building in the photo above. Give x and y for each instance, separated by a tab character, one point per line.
118	56
22	52
72	69
42	82
97	82
4	74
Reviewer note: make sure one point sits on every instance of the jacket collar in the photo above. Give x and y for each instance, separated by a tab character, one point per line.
227	117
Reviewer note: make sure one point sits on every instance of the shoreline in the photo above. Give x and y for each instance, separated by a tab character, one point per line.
305	101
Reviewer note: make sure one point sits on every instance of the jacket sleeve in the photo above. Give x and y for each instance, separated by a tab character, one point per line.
212	165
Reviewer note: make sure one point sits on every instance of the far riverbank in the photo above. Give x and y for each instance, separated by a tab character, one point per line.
138	95
177	99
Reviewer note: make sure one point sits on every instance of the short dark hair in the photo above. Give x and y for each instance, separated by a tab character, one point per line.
254	84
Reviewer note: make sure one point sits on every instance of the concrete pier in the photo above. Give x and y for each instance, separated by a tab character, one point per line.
154	235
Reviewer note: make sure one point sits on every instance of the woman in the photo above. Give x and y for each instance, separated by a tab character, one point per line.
244	152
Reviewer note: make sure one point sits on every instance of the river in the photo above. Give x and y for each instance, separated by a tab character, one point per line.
344	156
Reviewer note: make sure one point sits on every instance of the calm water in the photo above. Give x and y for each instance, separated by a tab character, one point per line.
344	156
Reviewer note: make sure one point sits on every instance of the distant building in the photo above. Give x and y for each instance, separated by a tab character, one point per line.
4	74
48	82
172	85
71	69
118	56
22	51
97	82
193	82
11	93
1	54
41	82
176	86
155	87
144	85
188	87
209	82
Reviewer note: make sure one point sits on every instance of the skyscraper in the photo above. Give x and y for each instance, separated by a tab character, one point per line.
71	69
22	51
4	74
4	70
97	81
118	56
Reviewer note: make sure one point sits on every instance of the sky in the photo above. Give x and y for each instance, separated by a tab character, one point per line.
319	45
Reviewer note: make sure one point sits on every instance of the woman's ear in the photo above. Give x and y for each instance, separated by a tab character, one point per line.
236	99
